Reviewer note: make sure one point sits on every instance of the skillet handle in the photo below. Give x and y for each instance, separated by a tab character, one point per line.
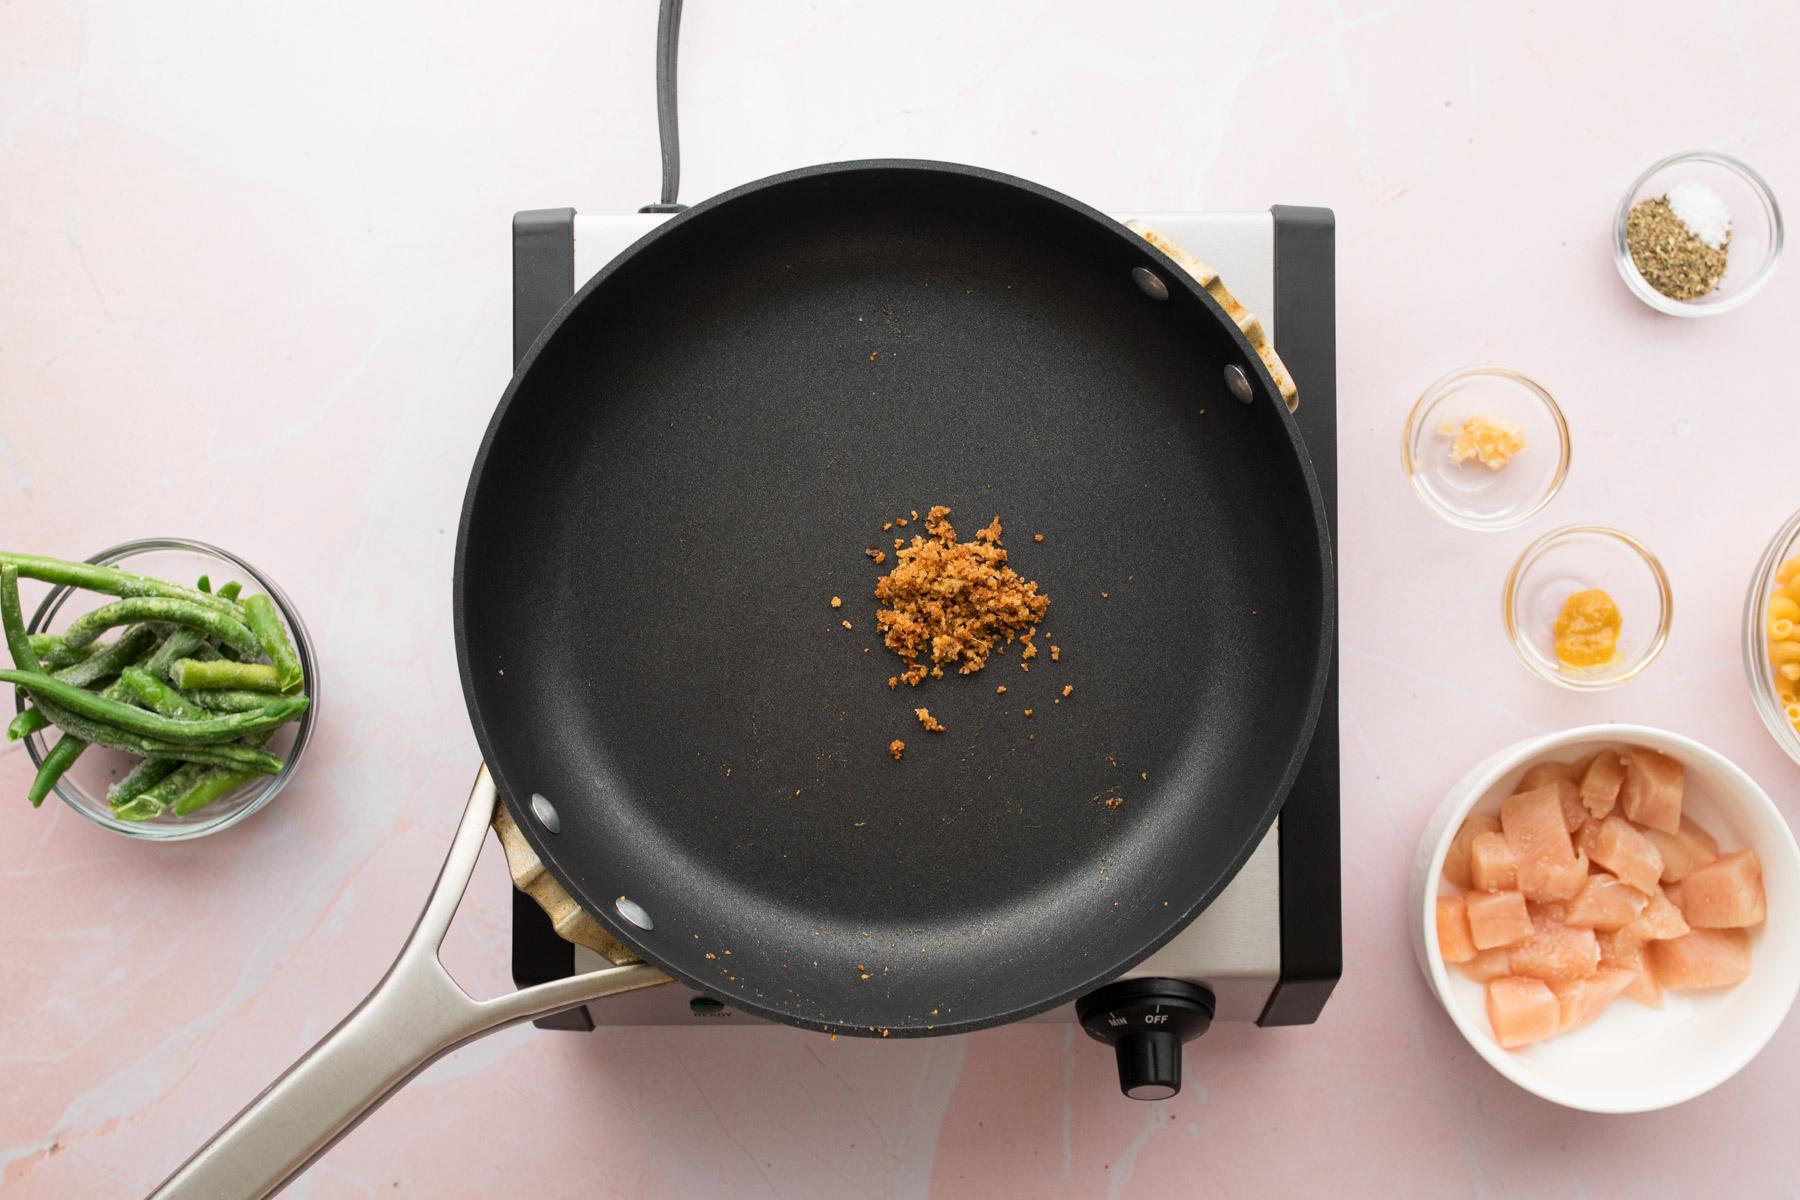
415	1015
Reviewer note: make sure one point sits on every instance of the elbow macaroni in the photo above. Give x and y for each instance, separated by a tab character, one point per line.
1782	625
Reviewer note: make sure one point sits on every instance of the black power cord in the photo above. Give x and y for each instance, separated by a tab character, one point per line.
668	40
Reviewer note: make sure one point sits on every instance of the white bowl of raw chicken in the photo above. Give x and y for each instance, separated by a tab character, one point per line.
1633	1058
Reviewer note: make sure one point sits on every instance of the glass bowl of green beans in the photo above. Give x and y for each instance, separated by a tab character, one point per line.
84	786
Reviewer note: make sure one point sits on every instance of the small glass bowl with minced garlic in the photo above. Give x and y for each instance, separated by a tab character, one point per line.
1486	448
1587	607
1697	234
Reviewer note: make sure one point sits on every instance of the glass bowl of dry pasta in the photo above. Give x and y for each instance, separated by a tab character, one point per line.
1772	636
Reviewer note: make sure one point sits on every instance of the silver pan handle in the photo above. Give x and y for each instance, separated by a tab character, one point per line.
415	1015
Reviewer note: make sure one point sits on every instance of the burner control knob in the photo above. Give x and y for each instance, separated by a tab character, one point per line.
1145	1021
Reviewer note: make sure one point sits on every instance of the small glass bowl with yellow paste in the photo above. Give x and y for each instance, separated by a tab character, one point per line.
1587	607
1486	448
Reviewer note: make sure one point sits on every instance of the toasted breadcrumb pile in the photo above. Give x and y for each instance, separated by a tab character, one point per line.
931	723
896	748
950	604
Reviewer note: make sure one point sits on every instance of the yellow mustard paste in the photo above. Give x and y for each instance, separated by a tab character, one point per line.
1587	629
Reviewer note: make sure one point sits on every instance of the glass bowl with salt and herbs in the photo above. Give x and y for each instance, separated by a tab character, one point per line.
1697	234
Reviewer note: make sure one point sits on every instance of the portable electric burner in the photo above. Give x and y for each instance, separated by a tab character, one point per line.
1270	948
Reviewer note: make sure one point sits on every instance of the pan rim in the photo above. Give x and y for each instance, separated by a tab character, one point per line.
1267	394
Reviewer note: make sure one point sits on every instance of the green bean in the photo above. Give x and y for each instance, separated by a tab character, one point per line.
182	643
146	775
111	658
188	673
273	637
230	591
128	719
52	652
160	608
154	801
216	783
204	583
228	700
12	621
110	580
101	734
162	698
62	756
12	625
26	724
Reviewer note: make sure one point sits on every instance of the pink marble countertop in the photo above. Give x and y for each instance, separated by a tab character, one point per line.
273	242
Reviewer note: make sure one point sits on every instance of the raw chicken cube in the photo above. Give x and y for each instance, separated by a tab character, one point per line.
1600	786
1556	953
1726	893
1488	964
1604	903
1496	919
1453	930
1456	859
1620	948
1651	793
1682	851
1522	1011
1539	774
1676	897
1587	838
1566	779
1584	999
1628	854
1491	866
1659	921
1562	883
1704	958
1539	838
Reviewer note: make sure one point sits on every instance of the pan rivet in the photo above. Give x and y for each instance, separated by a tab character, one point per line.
634	912
545	812
1239	383
1150	283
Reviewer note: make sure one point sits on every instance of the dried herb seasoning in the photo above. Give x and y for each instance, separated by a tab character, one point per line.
1670	256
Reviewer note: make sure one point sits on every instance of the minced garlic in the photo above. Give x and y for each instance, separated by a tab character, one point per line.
1489	441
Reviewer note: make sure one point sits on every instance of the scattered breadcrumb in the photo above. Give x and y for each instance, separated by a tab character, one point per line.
1115	801
1037	537
896	748
886	525
1067	688
900	521
915	514
1001	690
710	954
931	723
847	625
953	603
878	556
837	602
1143	774
872	355
893	681
1103	595
1024	666
1028	712
1055	653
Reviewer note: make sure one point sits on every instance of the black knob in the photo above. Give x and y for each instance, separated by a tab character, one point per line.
1146	1021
